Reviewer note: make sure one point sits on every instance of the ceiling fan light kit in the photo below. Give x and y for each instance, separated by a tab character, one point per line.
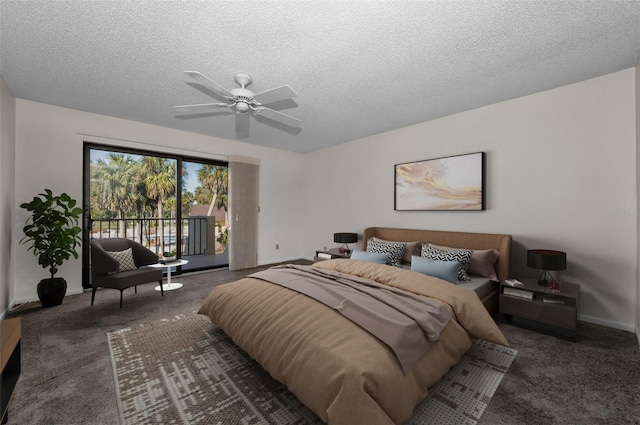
242	107
242	100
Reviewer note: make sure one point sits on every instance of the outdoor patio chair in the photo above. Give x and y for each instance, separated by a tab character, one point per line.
118	263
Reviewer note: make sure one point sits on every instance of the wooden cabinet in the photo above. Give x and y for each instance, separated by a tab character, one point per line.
9	361
536	307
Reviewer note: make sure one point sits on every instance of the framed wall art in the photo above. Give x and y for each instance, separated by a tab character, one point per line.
450	183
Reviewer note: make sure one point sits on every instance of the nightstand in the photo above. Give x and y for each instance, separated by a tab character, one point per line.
327	254
536	307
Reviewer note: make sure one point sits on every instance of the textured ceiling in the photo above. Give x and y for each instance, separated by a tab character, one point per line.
359	67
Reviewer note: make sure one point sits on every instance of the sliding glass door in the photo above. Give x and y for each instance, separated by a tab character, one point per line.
204	214
167	203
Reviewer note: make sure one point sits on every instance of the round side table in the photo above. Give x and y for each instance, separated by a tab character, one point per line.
169	286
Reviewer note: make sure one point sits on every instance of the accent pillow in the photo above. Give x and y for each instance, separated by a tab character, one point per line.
373	257
461	256
410	249
394	249
124	259
482	261
445	270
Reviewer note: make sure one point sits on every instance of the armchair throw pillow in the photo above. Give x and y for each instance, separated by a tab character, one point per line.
124	259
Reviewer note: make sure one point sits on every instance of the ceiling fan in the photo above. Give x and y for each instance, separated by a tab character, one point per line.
243	102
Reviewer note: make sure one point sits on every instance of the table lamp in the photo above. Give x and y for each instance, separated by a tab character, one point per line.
345	238
545	260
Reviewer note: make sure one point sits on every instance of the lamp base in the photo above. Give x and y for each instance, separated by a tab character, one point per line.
543	279
344	249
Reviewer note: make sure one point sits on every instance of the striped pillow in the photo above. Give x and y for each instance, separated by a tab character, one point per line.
394	249
462	256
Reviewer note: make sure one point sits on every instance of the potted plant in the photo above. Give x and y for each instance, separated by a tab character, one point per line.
169	256
54	234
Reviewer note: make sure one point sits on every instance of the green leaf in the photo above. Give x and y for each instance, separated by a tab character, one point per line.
52	229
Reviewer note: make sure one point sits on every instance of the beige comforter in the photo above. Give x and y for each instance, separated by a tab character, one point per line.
337	369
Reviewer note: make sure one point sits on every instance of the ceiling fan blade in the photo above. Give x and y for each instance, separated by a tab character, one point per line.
210	84
278	116
200	107
242	126
275	95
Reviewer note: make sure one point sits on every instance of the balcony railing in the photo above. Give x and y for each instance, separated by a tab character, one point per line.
160	234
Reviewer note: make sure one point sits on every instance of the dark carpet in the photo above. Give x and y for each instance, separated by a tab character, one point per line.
67	375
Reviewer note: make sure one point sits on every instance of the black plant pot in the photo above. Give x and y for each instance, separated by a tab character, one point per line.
52	291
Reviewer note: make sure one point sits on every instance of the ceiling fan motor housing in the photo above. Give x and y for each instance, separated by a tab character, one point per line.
243	99
242	94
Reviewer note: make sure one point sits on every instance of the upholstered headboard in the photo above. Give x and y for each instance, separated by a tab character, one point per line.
501	243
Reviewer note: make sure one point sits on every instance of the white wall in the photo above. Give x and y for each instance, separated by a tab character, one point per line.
49	155
7	167
638	195
561	173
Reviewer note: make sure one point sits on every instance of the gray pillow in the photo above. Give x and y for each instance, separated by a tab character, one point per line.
373	257
445	270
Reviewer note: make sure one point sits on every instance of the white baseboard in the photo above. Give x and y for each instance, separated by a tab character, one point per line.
608	323
280	260
35	298
638	337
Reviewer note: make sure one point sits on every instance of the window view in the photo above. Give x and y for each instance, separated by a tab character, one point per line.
136	196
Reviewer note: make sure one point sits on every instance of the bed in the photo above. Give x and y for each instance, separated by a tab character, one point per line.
335	367
467	240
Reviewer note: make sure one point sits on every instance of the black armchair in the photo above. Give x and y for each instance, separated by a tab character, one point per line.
106	270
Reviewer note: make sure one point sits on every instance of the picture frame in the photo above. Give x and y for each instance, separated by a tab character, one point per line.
451	183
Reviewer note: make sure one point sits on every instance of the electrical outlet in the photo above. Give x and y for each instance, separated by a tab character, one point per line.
277	246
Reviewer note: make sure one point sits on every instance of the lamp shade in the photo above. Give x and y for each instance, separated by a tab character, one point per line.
345	237
546	259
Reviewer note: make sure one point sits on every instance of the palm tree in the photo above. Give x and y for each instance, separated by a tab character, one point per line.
160	182
141	200
113	183
188	199
215	182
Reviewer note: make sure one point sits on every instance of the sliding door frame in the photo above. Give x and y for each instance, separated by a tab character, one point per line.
86	195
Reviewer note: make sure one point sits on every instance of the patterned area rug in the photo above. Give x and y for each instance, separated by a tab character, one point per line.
184	370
